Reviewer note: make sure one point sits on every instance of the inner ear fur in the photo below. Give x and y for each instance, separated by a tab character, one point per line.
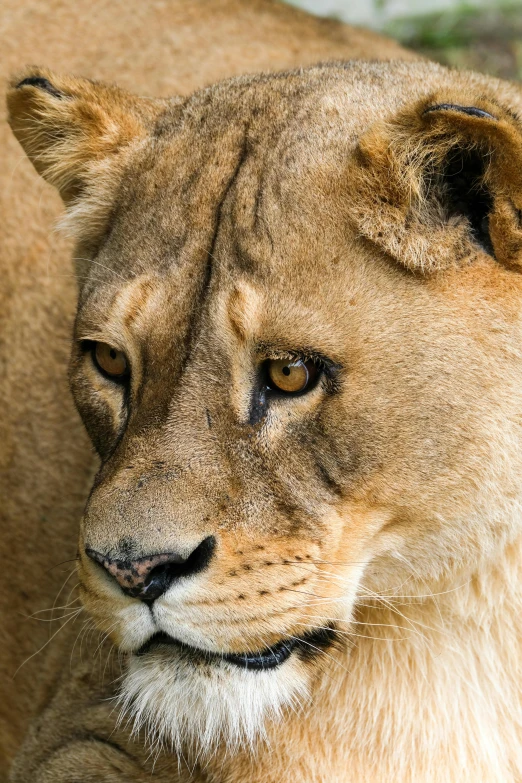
441	182
77	134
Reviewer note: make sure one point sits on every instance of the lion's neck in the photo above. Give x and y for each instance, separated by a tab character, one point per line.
434	695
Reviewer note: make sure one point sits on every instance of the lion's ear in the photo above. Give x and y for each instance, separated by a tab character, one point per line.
73	129
440	183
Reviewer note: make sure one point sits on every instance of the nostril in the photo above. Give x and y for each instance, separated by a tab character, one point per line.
197	561
149	577
162	576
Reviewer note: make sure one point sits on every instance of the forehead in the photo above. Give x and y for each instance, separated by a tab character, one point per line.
246	181
249	155
253	153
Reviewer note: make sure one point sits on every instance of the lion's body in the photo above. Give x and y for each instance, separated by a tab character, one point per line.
399	480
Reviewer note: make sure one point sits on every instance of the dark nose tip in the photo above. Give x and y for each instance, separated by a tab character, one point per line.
149	577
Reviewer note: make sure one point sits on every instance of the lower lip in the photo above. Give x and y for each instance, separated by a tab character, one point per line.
270	658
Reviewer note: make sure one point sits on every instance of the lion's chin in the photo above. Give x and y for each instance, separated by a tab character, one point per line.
193	703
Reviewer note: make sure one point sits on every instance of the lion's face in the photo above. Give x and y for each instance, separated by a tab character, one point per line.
289	419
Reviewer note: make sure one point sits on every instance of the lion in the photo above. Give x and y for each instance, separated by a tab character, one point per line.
47	464
296	353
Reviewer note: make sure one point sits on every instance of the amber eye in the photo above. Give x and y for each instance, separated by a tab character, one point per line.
110	361
291	376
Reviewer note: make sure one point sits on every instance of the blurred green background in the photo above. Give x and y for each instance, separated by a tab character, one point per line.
484	35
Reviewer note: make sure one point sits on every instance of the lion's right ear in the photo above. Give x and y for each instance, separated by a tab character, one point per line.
75	130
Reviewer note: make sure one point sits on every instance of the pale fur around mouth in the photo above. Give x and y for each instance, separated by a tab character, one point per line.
188	697
184	705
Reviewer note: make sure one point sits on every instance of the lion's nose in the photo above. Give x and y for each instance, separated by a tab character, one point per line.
149	577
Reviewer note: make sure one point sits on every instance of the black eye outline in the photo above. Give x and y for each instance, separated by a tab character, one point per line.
89	346
312	382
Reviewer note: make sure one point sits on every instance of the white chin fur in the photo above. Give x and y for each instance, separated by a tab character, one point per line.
199	706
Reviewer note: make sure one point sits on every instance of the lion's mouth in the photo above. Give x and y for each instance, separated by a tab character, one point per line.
309	645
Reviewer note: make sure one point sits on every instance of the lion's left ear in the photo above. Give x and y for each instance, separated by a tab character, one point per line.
73	129
440	183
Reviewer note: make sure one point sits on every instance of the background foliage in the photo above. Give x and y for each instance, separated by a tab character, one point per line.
484	35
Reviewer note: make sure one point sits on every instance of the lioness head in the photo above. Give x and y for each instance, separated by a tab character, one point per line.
298	354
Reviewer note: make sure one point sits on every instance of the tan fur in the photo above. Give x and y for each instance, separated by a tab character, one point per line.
310	212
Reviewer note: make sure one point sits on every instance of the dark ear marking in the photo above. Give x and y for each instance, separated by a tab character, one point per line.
42	84
471	111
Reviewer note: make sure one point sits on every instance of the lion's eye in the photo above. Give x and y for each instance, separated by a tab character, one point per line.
110	361
291	377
